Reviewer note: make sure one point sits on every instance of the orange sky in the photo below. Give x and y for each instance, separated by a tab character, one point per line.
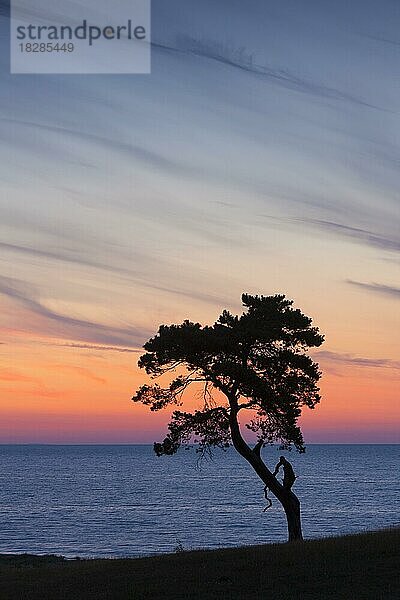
52	393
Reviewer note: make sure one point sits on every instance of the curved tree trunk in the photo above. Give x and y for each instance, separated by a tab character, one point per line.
293	517
289	501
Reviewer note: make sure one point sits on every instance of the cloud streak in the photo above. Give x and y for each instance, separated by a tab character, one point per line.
102	348
16	377
356	234
382	241
386	290
58	325
139	153
350	360
81	371
65	256
133	275
239	59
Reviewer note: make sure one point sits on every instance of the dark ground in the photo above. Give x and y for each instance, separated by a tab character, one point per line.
360	567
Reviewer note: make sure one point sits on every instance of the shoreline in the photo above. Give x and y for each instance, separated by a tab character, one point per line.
58	558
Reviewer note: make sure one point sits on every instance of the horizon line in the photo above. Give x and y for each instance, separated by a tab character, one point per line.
151	444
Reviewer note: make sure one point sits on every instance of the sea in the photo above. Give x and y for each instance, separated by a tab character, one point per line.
120	501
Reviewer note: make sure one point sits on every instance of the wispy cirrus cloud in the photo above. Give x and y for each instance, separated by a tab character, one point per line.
384	40
101	348
239	58
140	154
371	238
41	319
133	273
377	239
379	288
16	377
81	371
78	258
352	360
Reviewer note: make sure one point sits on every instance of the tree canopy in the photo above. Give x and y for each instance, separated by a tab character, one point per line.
256	362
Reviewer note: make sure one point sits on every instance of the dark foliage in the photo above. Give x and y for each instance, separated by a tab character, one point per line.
257	362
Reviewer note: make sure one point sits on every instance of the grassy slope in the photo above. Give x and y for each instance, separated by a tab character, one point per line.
358	567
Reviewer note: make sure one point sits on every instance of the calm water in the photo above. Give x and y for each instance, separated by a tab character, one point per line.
124	501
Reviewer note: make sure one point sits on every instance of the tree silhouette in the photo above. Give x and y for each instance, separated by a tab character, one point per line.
255	364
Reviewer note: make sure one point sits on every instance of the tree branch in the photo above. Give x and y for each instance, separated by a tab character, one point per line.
248	404
257	448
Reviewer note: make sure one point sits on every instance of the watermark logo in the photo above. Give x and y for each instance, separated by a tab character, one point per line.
91	36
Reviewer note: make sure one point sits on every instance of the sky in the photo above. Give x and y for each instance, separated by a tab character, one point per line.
261	155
